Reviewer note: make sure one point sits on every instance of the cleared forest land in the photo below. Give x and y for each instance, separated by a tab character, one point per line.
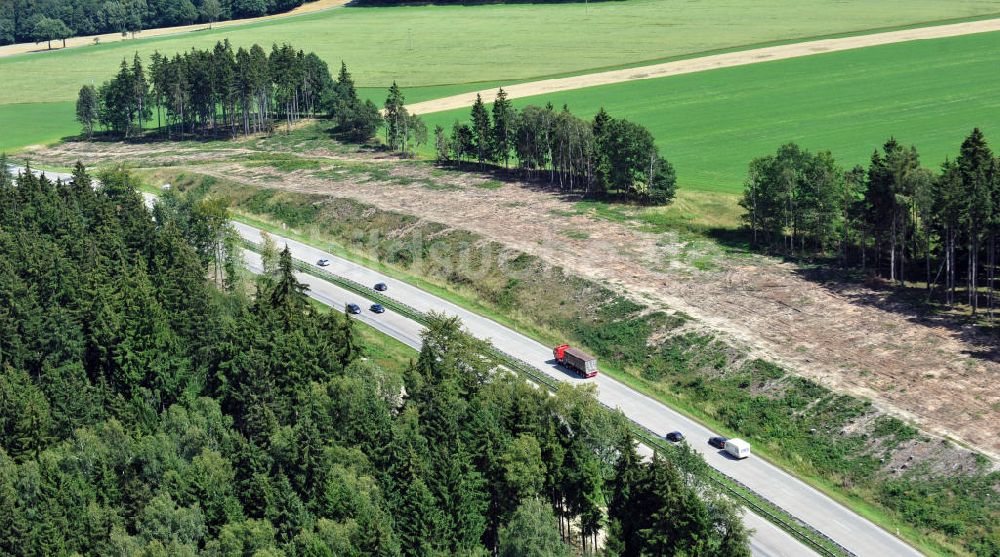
844	336
711	124
429	46
691	321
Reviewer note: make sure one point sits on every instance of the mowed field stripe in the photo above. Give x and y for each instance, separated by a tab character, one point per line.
705	63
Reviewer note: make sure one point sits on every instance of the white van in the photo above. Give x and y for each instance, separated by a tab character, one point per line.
738	448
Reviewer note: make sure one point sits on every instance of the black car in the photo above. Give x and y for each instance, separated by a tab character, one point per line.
675	436
717	442
381	287
377	308
353	308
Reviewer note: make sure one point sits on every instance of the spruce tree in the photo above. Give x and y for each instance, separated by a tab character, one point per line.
395	118
288	296
140	93
975	164
504	117
481	136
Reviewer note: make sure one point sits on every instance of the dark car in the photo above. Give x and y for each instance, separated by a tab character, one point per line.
381	287
377	308
675	436
353	308
717	442
323	262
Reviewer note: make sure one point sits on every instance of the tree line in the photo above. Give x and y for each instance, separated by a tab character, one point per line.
222	92
895	219
155	400
48	20
602	157
218	91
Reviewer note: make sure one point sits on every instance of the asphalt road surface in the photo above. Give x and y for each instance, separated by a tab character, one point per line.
767	541
802	501
848	529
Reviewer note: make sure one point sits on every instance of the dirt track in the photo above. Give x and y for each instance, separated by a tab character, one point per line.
712	62
22	48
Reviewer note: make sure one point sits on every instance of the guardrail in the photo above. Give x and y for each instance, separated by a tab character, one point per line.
760	505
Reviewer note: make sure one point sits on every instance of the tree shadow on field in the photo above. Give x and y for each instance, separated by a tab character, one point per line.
538	181
153	137
865	289
732	239
913	303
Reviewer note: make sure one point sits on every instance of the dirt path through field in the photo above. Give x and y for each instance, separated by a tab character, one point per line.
307	8
713	62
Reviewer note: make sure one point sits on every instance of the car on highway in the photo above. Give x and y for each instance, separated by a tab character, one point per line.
353	308
381	287
323	262
674	437
377	308
718	442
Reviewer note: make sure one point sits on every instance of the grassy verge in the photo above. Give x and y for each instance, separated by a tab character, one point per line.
451	294
840	445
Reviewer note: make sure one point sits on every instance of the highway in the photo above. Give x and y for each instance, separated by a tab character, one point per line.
805	503
767	541
850	530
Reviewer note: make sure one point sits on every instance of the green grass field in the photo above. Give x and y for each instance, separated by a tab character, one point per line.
449	49
27	124
711	124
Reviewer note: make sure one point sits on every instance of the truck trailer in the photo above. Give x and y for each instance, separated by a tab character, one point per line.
576	359
738	448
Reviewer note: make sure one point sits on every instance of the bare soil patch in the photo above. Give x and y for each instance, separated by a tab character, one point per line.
939	377
713	62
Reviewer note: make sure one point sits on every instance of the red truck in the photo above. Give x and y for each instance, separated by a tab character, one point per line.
576	359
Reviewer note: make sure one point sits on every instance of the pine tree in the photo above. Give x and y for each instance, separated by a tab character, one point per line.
950	210
288	297
678	521
602	163
417	519
395	118
504	117
349	349
140	93
975	163
81	179
481	135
